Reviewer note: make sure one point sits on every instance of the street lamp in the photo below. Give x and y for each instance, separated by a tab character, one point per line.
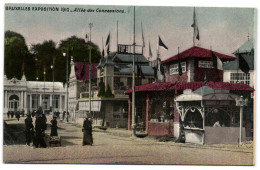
53	73
241	103
44	73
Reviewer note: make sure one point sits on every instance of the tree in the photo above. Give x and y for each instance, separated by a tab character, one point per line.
46	54
17	59
79	49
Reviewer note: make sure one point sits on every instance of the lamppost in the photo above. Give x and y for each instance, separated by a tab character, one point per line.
90	93
44	73
133	85
241	103
52	67
67	69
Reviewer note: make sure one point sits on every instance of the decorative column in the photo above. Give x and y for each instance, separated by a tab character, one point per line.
51	100
41	100
60	103
30	102
148	111
6	102
25	100
21	105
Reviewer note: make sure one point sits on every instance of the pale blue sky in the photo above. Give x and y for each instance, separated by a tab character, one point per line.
223	29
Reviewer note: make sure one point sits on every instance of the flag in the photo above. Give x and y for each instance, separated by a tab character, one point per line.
143	35
82	71
217	63
108	39
243	65
103	53
195	26
150	51
108	49
162	44
161	69
155	73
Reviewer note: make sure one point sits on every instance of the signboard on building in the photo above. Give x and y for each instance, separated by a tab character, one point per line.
95	105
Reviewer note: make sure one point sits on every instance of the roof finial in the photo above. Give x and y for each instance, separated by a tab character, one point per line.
205	79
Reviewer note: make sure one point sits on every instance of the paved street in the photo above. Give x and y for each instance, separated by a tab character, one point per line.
110	149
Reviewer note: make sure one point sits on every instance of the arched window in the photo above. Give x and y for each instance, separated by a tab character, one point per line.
13	102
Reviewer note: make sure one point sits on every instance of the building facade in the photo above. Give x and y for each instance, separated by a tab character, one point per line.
114	74
23	95
232	72
161	114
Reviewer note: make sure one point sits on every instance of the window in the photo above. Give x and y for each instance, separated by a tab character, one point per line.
240	77
174	68
56	102
35	101
205	64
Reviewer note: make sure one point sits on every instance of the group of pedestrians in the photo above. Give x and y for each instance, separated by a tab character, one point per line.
17	114
36	135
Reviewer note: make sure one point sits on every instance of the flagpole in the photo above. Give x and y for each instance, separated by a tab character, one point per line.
194	27
44	72
133	85
158	55
117	35
178	65
237	64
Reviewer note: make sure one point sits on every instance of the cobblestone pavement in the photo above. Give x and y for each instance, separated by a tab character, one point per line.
111	149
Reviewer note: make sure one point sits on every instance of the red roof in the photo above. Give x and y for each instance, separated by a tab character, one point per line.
82	70
190	85
200	53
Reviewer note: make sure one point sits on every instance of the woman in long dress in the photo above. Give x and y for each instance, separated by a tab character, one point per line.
54	126
87	132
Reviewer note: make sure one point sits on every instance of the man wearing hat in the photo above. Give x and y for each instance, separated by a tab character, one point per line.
28	129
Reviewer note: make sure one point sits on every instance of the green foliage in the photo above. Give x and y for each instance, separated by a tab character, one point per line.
101	92
15	54
109	92
79	49
46	54
42	54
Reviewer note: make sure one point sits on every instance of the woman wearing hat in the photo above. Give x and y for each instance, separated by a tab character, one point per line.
54	126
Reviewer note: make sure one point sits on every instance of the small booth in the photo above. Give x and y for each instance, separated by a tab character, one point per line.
209	116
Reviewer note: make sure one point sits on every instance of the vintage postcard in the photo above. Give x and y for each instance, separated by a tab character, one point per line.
134	85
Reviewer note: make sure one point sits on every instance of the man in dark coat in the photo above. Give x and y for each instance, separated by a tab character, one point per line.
54	127
17	115
8	114
63	115
40	127
28	129
12	114
87	132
